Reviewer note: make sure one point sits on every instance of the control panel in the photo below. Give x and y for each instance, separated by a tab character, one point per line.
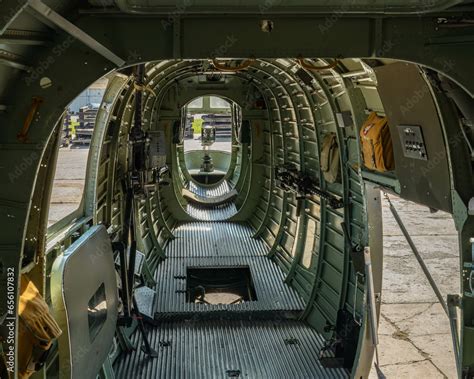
413	144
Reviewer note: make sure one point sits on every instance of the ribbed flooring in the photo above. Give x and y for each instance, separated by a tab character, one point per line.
223	349
216	213
207	244
272	293
214	239
214	191
234	342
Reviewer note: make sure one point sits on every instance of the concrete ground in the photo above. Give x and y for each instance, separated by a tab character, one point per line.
415	340
68	183
414	332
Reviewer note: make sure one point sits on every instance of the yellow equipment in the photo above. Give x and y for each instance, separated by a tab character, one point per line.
377	149
37	329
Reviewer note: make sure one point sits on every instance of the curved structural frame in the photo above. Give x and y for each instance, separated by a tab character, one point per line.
302	106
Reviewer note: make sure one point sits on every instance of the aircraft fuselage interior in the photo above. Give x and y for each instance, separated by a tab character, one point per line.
248	245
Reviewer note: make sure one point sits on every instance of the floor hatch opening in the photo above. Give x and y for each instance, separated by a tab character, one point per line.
220	285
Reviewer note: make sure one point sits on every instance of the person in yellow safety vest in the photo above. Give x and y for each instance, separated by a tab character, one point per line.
197	126
72	128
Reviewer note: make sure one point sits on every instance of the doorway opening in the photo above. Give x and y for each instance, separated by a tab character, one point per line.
208	138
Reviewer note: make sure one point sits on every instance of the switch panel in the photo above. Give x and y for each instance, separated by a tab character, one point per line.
412	141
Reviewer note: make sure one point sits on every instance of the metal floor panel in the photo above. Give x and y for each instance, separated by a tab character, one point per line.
226	244
223	349
273	294
211	239
215	213
225	346
214	191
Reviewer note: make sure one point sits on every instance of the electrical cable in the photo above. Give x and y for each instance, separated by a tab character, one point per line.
221	67
308	66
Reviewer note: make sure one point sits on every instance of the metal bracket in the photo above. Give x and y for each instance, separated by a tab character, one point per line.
23	135
356	251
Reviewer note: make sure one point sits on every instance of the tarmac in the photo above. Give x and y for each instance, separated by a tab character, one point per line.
414	333
68	183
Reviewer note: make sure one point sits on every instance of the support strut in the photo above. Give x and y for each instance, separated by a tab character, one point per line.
417	256
51	16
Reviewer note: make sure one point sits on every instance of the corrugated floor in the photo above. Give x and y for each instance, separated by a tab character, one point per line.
216	213
235	344
214	191
272	293
214	239
218	349
207	244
